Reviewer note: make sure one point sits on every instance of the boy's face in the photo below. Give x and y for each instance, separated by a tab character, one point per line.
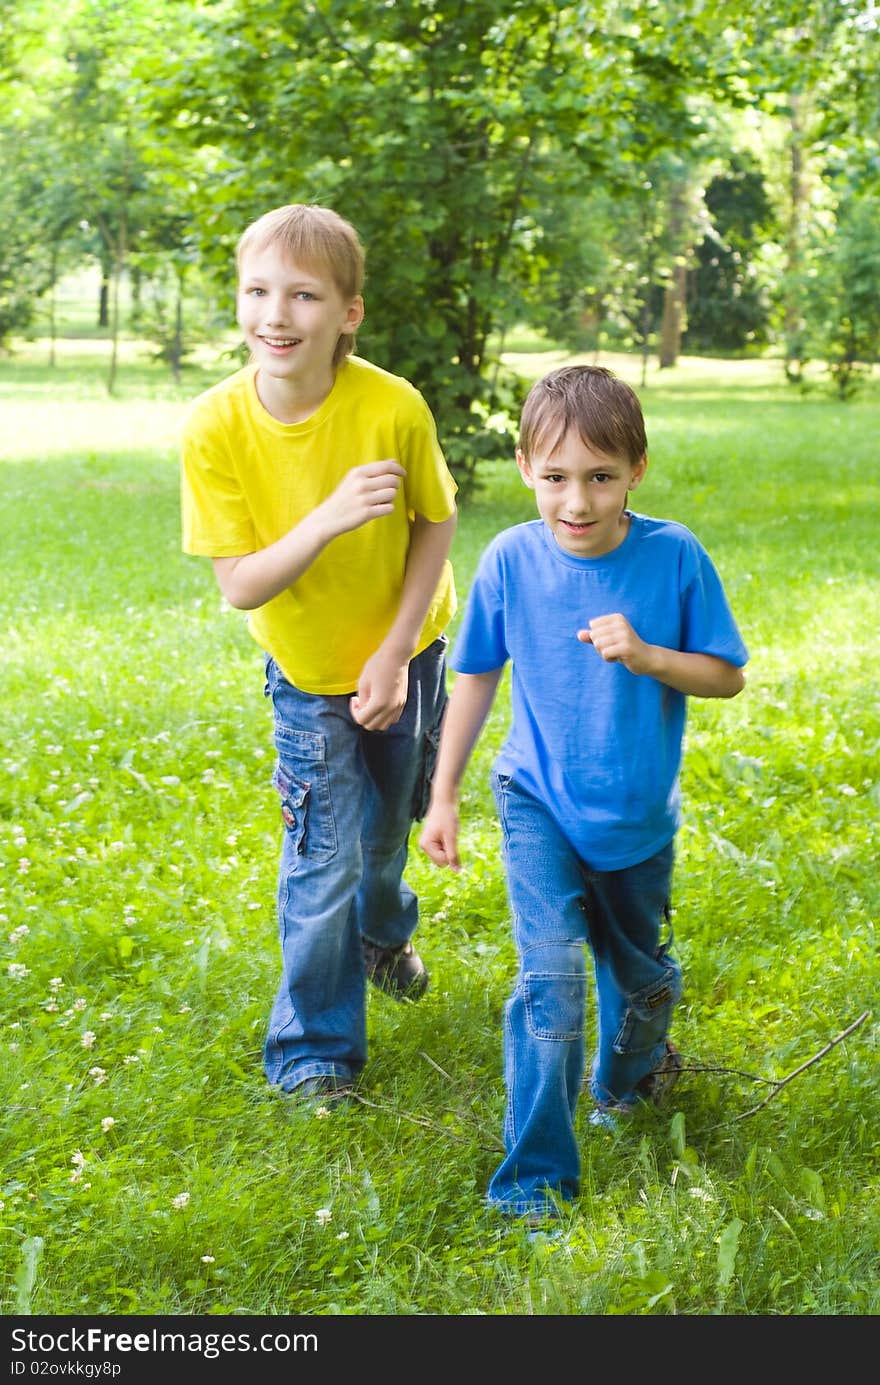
292	316
581	494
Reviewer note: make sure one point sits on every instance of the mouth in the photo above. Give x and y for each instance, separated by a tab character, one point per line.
577	527
280	343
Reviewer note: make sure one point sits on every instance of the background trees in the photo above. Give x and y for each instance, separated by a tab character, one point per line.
640	175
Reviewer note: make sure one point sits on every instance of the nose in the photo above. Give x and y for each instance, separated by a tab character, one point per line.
578	501
275	309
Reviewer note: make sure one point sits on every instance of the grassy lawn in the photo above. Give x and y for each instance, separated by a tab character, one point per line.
146	1167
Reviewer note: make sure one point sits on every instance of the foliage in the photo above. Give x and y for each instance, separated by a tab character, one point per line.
147	1170
843	303
728	308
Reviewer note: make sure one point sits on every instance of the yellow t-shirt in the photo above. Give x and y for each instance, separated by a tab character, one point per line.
246	479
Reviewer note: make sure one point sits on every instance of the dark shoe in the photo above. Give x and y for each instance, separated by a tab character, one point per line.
397	971
322	1091
658	1083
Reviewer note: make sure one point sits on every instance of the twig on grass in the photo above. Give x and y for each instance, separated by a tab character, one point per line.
427	1124
784	1081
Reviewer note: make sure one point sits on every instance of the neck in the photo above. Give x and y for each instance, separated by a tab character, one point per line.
293	401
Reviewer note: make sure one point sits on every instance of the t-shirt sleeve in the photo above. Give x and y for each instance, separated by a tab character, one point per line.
708	624
215	518
430	486
481	643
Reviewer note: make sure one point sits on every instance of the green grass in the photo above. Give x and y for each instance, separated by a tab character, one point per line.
147	1169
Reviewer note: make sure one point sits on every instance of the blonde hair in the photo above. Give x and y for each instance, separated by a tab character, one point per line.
602	408
316	238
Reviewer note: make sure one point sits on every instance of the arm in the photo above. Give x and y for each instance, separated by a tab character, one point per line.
469	704
384	680
364	493
697	675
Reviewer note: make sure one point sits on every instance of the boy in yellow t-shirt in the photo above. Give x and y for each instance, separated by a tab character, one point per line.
316	484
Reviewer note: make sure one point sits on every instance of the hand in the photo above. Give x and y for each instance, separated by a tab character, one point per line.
439	835
617	642
382	692
364	493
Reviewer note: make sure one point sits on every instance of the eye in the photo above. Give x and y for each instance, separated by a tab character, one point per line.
602	477
305	295
255	292
554	477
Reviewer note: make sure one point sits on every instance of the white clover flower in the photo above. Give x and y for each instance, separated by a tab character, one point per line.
17	971
99	1075
131	1058
78	1159
18	933
323	1216
55	983
80	1004
24	866
179	1202
207	1259
343	1236
88	1038
107	1123
322	1112
105	1015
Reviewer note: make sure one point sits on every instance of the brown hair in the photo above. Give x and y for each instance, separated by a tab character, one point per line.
317	238
603	409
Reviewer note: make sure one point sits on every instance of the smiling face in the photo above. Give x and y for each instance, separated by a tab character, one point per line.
292	316
581	494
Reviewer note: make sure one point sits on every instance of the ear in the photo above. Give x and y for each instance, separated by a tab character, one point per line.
354	316
638	473
525	470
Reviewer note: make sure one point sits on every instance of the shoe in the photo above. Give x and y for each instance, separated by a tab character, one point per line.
658	1083
325	1090
610	1116
654	1088
397	971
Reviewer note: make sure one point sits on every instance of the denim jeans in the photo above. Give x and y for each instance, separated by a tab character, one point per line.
348	801
560	908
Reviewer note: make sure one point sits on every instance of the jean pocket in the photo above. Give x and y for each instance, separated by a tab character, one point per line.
648	1013
422	792
306	810
555	1004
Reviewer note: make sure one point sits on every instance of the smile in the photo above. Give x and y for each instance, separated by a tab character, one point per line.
281	341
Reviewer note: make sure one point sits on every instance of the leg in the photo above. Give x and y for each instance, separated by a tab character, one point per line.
637	981
544	1020
318	1022
399	764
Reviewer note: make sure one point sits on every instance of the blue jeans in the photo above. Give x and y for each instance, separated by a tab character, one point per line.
560	908
348	801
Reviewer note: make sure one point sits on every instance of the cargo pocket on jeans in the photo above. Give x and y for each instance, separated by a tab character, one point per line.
306	811
648	1014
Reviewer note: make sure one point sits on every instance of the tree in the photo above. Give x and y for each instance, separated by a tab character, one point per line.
442	129
727	300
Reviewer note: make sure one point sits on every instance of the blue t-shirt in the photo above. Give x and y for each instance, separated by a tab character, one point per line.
599	746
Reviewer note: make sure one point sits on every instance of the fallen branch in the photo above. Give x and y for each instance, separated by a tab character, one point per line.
783	1082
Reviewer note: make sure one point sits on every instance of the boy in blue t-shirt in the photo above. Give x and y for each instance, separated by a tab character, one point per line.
611	620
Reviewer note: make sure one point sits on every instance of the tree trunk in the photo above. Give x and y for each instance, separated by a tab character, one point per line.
177	348
52	305
793	326
672	324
